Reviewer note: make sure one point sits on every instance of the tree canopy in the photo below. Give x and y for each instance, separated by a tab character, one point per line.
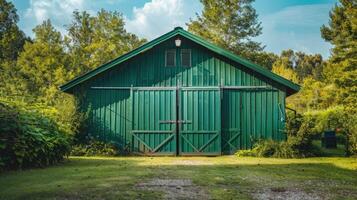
11	37
95	40
341	32
44	63
232	25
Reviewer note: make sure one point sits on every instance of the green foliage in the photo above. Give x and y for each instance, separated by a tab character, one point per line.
38	121
270	148
313	95
341	70
95	148
46	57
12	40
11	37
297	66
301	131
350	129
286	72
341	32
31	135
230	25
264	59
95	40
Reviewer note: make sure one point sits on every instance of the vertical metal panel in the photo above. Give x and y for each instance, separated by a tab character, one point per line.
108	116
248	116
231	121
149	135
201	131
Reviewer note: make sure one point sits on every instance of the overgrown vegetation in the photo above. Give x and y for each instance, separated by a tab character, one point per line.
32	135
94	148
301	132
38	122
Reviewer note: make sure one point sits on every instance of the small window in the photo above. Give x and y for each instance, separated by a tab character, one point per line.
186	57
170	58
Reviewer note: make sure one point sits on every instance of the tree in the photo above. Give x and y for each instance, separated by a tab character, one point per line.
314	95
341	32
43	63
11	37
93	41
285	71
231	25
304	65
265	59
11	44
309	65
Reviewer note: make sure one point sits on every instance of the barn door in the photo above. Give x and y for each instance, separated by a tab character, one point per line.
152	132
231	121
200	124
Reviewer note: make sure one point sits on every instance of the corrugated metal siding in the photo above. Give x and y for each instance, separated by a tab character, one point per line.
151	107
202	110
208	69
255	113
110	115
248	116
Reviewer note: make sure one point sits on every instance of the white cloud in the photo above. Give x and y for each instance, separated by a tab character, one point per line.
160	16
154	18
58	11
297	28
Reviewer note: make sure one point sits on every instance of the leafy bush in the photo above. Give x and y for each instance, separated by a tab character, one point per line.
31	135
351	133
302	130
94	148
270	148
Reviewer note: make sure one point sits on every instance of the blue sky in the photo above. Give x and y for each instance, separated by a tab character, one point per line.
293	24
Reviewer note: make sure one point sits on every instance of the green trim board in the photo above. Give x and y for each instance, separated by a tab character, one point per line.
178	31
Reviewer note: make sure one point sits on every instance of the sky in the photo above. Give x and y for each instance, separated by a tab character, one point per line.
287	24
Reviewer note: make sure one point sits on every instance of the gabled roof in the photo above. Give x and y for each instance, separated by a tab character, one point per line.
291	87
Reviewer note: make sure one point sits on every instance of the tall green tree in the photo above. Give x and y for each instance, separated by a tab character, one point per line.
95	40
304	65
11	44
232	25
309	65
43	63
341	32
341	70
11	37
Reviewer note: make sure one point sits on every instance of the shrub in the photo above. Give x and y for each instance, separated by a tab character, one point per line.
351	134
301	130
270	148
31	136
94	148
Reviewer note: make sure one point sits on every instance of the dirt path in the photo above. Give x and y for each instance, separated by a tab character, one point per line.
175	188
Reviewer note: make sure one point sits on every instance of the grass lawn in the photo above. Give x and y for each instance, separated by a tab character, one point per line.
225	177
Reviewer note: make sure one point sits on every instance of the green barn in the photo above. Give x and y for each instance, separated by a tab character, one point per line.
181	95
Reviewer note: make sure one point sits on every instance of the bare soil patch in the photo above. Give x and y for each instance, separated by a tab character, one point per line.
175	188
285	194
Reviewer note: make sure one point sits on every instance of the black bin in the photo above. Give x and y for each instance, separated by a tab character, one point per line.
329	140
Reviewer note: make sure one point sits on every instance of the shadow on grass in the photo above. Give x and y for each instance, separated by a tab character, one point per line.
112	178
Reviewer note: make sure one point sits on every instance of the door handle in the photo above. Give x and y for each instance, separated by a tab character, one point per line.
184	121
174	121
167	121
